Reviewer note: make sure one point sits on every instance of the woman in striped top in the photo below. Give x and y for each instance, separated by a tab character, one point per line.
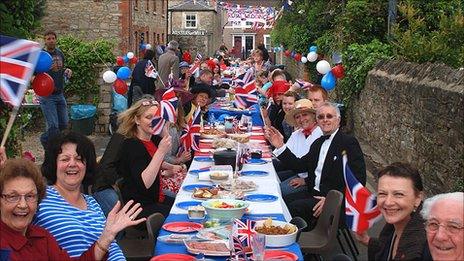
74	219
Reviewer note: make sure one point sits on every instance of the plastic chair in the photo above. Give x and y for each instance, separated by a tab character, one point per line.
300	224
142	249
154	223
321	238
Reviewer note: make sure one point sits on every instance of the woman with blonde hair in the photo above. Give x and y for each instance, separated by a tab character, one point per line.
141	158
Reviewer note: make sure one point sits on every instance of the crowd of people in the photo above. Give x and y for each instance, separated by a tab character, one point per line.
79	213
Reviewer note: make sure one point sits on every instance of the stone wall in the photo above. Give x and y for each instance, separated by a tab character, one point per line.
104	106
415	113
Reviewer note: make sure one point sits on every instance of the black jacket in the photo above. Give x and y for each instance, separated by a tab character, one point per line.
332	171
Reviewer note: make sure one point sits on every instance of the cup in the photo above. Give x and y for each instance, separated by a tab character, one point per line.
258	245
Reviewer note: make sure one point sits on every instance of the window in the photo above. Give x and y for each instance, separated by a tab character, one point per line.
148	5
248	23
154	38
154	6
162	7
147	40
136	4
190	21
162	37
267	41
158	38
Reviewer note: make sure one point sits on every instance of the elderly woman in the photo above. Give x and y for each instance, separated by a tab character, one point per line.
399	197
141	158
22	188
444	215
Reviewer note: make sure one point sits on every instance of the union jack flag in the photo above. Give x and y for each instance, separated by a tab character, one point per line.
150	70
18	59
157	123
246	95
196	64
245	230
190	136
168	105
237	251
360	204
303	84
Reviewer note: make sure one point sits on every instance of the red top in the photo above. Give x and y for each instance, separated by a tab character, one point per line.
151	149
37	244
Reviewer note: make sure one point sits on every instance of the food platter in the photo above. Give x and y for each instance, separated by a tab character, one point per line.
209	248
238	184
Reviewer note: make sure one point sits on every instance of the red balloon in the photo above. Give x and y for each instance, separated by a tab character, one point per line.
43	84
134	60
287	53
297	57
120	86
119	61
338	71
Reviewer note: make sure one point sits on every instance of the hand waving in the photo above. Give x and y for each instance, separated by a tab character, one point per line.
120	218
274	137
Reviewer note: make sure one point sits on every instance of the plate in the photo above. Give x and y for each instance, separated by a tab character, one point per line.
196	171
182	227
208	248
175	238
255	173
279	255
257	161
260	198
173	256
186	204
215	233
192	187
203	159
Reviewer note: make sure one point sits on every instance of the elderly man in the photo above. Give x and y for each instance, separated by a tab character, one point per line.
303	117
168	63
444	215
324	165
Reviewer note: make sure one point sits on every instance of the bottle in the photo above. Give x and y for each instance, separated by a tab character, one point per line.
250	126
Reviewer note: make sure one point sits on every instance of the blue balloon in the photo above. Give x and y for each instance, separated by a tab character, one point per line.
124	73
328	81
313	48
44	63
293	54
126	59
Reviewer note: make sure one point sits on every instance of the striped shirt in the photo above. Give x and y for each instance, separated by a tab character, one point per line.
74	229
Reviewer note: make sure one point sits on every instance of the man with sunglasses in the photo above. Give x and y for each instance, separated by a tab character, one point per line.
324	165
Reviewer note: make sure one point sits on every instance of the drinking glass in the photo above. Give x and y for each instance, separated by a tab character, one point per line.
258	244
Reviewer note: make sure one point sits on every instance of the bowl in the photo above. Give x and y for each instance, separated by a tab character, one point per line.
219	209
219	175
279	240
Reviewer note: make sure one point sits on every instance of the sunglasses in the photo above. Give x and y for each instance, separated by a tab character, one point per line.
325	116
150	102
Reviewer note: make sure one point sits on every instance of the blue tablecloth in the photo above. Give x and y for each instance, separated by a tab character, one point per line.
253	111
164	248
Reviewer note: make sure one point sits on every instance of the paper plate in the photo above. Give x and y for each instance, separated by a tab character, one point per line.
203	159
279	255
182	227
186	204
173	256
255	173
196	171
260	198
192	187
257	161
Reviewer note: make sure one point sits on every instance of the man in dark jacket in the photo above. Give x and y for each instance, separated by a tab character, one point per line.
324	164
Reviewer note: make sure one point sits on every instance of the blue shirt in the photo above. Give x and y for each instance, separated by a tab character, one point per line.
74	229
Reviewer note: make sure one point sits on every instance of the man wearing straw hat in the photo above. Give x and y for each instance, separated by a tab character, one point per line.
303	118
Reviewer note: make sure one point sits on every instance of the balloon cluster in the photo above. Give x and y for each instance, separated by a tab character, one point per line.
323	67
119	78
43	83
129	58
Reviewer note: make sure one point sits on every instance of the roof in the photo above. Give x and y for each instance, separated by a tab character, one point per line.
193	5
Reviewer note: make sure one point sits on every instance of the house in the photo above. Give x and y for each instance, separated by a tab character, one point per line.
196	25
128	22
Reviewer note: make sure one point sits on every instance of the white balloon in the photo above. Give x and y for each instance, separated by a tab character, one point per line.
323	67
304	59
312	56
109	77
148	46
130	55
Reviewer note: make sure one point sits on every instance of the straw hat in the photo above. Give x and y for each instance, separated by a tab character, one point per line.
303	105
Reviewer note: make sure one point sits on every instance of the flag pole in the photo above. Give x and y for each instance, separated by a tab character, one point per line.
13	115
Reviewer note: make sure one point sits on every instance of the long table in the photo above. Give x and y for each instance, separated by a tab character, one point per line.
266	185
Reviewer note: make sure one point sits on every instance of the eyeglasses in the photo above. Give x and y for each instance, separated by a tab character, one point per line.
150	102
325	116
450	227
15	198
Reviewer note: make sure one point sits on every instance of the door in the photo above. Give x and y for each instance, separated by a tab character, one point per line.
237	49
249	44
